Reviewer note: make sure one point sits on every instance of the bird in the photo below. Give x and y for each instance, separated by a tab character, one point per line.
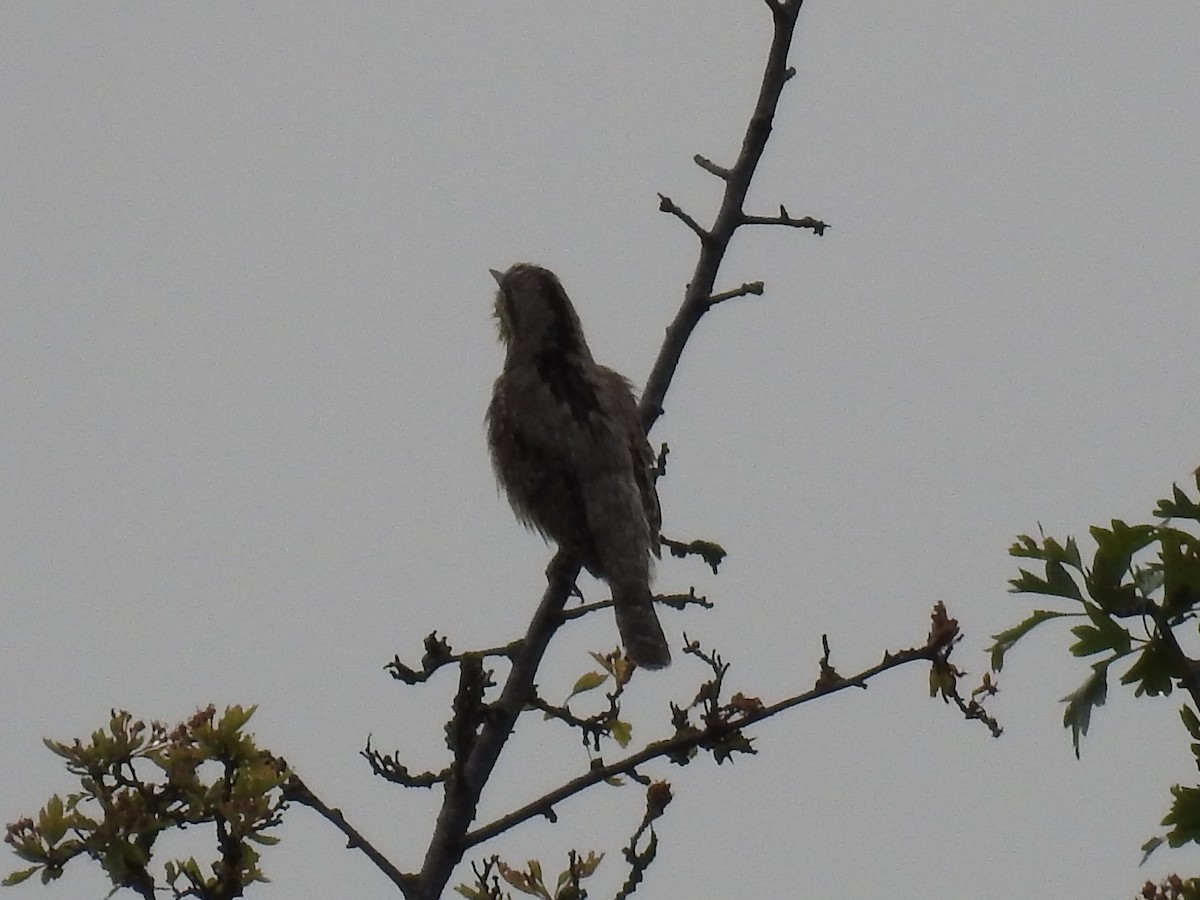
568	447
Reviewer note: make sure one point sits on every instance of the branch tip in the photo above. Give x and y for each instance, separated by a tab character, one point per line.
785	219
667	205
711	167
750	287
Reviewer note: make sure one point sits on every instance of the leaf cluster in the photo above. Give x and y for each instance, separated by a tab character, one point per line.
530	880
1130	601
139	780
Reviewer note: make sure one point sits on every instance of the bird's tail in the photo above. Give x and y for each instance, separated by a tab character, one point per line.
641	633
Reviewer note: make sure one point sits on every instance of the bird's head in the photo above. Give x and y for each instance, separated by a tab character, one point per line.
534	313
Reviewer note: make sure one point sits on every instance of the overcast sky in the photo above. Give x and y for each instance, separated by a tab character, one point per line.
246	346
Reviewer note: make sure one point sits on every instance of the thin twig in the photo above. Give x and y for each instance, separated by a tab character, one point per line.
750	287
667	205
711	167
729	217
677	745
818	227
297	791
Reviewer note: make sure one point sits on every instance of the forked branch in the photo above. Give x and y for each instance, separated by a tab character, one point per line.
698	298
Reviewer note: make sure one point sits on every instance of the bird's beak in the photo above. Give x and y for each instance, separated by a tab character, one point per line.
499	276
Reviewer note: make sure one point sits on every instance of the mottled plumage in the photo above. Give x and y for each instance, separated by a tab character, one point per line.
568	447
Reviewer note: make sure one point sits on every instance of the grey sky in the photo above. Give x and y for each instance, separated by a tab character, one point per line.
245	348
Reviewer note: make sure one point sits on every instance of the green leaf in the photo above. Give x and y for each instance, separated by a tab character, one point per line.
1049	550
1057	583
1190	721
582	868
1053	551
1028	583
69	753
1150	846
18	877
1180	506
1152	672
50	821
731	743
1122	541
943	681
1005	639
1091	640
1026	547
1060	581
588	681
1080	703
527	884
1184	817
234	719
1180	571
1103	634
622	732
1115	548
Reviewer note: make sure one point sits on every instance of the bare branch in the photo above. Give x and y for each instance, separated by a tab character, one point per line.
437	655
594	728
683	743
750	287
297	791
783	218
730	216
667	205
388	767
675	601
711	167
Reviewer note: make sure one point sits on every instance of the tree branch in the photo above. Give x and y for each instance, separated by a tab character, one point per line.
667	205
466	782
674	747
818	227
750	287
709	166
715	241
296	790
